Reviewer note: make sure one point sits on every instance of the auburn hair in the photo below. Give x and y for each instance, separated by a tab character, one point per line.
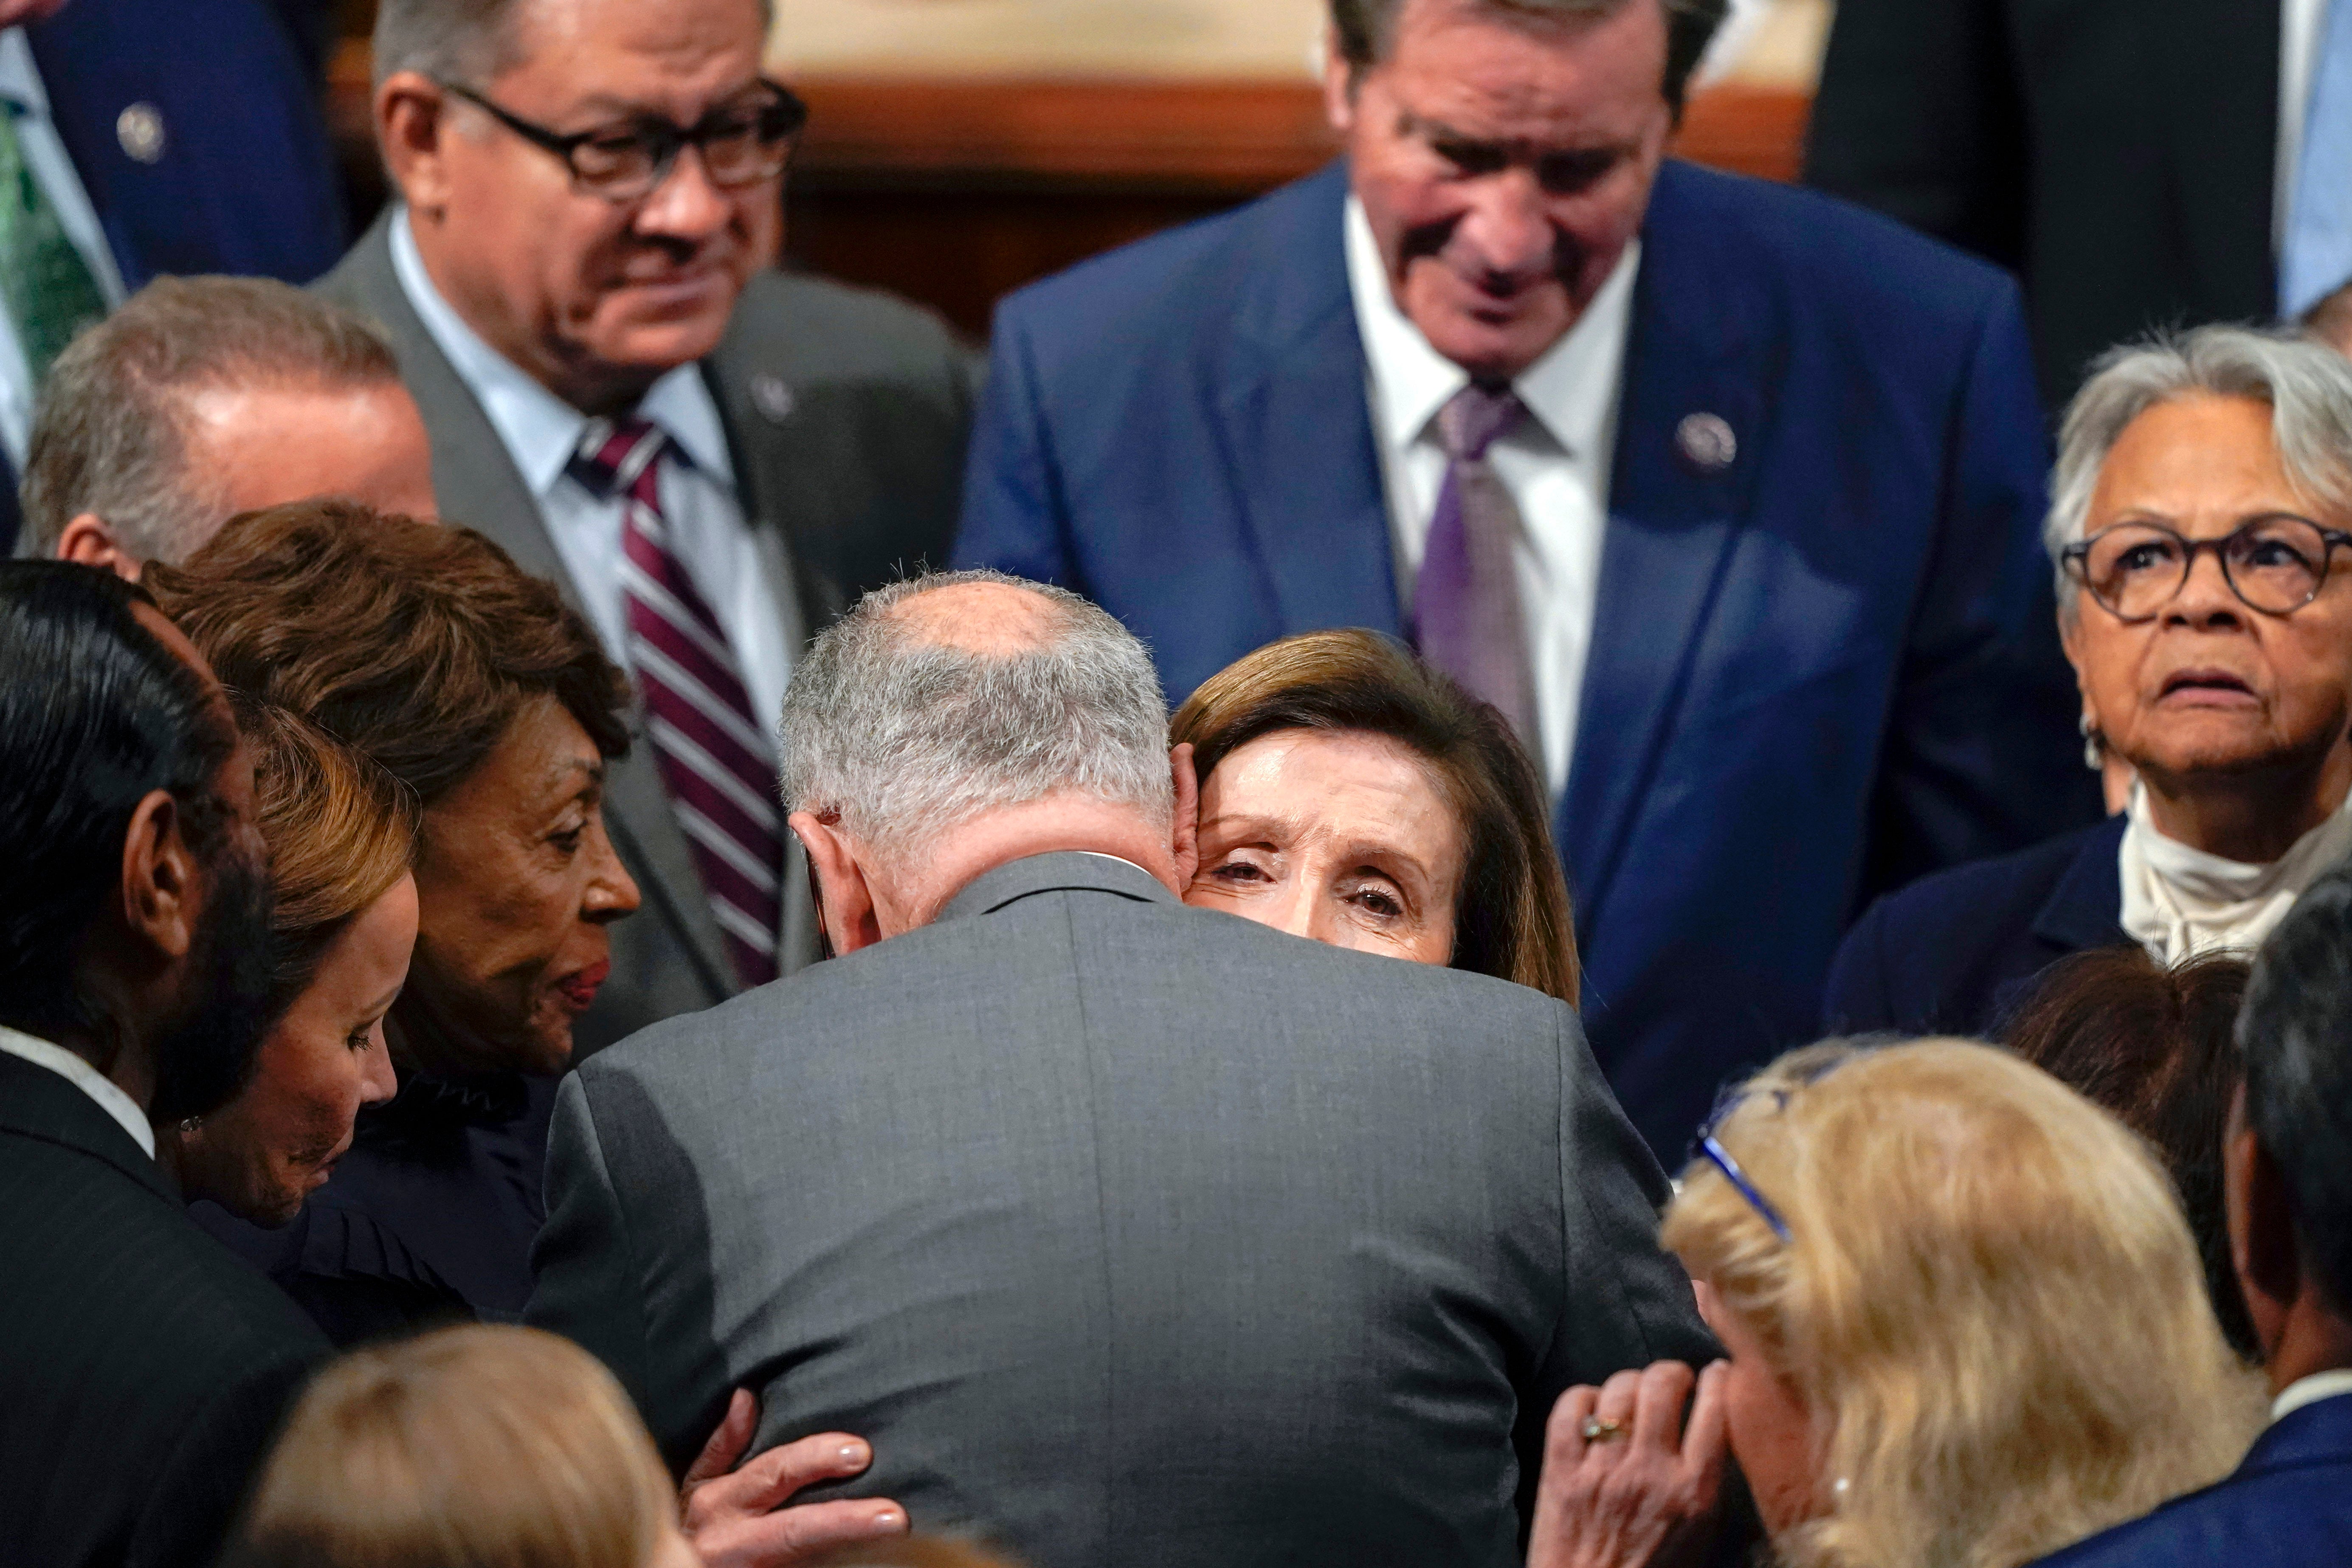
1512	919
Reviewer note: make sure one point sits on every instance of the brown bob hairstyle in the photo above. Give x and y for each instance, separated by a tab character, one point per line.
416	643
339	830
1512	919
2154	1044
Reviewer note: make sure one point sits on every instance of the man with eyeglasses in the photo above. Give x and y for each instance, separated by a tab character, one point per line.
2199	526
711	457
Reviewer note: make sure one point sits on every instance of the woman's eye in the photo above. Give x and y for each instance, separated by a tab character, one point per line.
360	1042
568	839
1238	871
1380	901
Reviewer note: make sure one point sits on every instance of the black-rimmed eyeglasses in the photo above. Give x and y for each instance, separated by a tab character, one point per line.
2275	563
742	143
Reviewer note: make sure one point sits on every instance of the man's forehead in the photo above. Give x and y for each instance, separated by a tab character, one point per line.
1473	60
623	54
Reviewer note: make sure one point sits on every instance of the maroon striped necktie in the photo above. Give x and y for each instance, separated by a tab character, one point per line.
716	763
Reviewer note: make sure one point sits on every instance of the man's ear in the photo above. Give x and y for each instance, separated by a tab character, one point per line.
161	888
87	539
1340	78
844	904
1184	836
2263	1250
412	124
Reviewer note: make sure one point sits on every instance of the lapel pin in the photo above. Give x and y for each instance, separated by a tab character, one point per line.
139	131
1706	442
773	398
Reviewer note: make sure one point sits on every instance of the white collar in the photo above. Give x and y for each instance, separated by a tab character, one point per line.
20	79
2311	1390
86	1078
539	429
1570	391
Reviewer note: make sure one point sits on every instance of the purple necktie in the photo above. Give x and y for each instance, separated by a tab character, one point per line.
1465	607
717	764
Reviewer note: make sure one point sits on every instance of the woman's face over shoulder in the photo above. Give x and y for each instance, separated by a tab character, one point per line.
517	883
2210	685
267	1150
1343	837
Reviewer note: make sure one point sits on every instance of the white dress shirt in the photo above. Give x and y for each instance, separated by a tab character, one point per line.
2300	25
703	517
23	98
1554	466
85	1078
2311	1390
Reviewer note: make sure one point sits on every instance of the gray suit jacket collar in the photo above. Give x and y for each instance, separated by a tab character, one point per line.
1067	871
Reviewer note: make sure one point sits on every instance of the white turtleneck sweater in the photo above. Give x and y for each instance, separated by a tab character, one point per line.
2180	902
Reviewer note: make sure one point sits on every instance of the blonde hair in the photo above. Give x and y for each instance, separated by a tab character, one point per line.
488	1447
1989	1300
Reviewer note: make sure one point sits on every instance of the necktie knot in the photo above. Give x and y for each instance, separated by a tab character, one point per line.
1475	418
615	453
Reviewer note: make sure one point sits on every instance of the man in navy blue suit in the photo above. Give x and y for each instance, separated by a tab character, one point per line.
2287	1186
1725	493
144	137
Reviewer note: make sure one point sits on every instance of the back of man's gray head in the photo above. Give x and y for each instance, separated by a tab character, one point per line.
1366	28
2307	386
2294	1035
907	735
108	435
463	41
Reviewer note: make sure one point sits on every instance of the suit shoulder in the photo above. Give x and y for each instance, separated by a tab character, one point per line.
1999	892
1847	256
2288	1517
835	325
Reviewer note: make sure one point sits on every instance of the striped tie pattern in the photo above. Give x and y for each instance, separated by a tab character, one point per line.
717	764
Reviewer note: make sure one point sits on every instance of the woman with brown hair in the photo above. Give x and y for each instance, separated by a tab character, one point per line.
342	834
1352	795
472	684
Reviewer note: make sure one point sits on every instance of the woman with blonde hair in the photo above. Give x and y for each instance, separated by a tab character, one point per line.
1965	1320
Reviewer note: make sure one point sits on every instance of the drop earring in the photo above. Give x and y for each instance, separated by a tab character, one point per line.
2095	744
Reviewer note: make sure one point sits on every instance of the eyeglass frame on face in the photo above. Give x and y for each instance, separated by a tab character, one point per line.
1730	1099
666	137
2076	560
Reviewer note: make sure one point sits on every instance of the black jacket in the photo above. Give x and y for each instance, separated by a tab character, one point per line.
142	1369
1955	953
2115	154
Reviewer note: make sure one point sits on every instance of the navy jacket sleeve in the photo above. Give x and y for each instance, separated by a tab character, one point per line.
1975	761
1012	515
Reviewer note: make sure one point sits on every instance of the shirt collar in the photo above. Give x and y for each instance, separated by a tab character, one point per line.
1570	391
86	1078
2311	1390
20	79
539	430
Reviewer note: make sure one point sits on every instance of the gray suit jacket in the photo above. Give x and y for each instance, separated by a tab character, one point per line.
846	413
1129	1234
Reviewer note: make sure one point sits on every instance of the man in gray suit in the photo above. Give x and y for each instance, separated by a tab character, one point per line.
1128	1234
711	457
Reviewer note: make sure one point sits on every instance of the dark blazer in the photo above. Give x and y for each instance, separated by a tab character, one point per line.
1128	1234
2289	1505
845	414
142	1369
2117	154
428	1219
1815	672
1956	952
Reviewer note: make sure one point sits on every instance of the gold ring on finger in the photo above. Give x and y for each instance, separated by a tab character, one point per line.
1601	1429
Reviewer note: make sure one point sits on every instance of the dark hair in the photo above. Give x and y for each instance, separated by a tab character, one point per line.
2153	1045
1366	27
1513	917
2294	1035
95	714
108	435
416	643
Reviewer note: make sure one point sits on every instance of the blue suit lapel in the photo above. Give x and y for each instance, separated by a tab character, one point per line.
1700	342
1297	429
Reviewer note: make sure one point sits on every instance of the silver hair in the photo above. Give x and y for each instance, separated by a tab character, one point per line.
107	433
467	41
2307	386
907	737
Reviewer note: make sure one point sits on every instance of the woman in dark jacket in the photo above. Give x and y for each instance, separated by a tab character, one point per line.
427	649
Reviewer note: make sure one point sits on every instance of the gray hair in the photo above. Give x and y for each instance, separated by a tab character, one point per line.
107	433
467	41
2307	386
1366	28
907	737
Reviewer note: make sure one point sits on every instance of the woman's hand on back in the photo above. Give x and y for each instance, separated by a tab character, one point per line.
1642	1493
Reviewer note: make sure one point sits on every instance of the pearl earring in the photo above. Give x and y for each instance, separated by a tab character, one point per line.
2095	744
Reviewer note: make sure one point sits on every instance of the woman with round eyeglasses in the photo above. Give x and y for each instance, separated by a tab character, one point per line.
2201	524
